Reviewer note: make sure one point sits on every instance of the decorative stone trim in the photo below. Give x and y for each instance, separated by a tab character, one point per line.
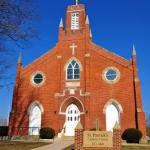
73	58
33	104
60	94
139	110
111	81
59	57
87	55
32	78
116	103
84	94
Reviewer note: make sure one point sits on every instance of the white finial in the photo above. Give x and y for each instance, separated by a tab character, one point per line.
77	2
87	20
61	23
90	33
19	58
134	50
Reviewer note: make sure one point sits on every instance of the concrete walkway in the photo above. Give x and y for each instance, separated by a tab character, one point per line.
58	144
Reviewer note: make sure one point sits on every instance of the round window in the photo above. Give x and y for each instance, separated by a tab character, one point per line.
38	78
111	75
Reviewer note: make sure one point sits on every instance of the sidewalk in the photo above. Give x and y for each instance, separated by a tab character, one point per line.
58	144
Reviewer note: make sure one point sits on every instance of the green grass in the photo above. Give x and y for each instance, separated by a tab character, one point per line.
123	148
19	145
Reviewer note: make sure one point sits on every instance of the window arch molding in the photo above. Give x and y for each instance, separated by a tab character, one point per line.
67	65
33	104
73	58
115	103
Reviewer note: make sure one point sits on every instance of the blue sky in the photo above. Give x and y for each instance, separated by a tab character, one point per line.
115	25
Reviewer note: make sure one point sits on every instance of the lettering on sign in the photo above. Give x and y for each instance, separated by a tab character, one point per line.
97	139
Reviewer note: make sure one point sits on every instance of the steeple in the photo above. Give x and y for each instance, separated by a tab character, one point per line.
19	67
87	20
134	50
90	33
19	60
77	2
76	24
61	23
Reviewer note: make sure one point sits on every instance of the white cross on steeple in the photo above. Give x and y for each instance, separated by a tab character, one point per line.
73	46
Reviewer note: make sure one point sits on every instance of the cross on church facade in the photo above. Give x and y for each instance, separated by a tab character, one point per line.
73	46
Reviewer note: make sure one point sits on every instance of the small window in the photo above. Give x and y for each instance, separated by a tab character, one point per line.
111	75
38	78
75	118
75	21
73	71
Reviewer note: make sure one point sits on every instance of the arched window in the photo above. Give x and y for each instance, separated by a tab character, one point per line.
73	71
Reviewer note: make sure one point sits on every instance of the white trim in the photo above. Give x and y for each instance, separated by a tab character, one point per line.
32	78
33	104
111	81
66	67
114	102
62	113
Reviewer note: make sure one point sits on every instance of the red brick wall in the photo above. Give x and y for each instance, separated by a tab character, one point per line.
91	81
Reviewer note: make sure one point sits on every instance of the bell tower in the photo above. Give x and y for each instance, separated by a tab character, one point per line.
75	18
76	23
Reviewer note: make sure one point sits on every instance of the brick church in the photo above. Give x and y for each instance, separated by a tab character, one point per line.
76	80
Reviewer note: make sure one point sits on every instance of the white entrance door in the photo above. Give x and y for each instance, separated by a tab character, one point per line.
72	119
35	121
112	116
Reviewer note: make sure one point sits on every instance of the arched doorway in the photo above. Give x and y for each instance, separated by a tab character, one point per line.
112	116
72	119
73	110
34	120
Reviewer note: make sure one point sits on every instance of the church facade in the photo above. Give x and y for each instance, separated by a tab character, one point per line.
75	81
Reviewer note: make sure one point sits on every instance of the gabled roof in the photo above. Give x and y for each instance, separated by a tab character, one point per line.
109	55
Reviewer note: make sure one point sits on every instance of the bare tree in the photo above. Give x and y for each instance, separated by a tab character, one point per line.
3	121
16	30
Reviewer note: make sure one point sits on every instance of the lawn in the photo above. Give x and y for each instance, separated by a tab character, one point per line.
123	148
20	145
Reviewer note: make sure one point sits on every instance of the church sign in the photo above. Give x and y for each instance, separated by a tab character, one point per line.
97	139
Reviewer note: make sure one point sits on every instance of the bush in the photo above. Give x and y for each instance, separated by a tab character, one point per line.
47	133
132	135
3	130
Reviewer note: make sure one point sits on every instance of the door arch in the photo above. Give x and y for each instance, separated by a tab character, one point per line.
34	120
72	119
112	116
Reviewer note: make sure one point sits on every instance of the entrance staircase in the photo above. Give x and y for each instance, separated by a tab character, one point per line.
59	144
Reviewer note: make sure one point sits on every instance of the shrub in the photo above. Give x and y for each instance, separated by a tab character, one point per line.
47	133
3	130
132	135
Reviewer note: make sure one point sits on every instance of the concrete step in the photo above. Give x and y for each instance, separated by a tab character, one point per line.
30	138
68	138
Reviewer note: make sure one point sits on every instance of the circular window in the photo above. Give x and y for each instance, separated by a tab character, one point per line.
111	75
38	78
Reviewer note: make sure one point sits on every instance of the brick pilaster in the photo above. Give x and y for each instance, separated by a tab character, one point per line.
78	137
116	137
